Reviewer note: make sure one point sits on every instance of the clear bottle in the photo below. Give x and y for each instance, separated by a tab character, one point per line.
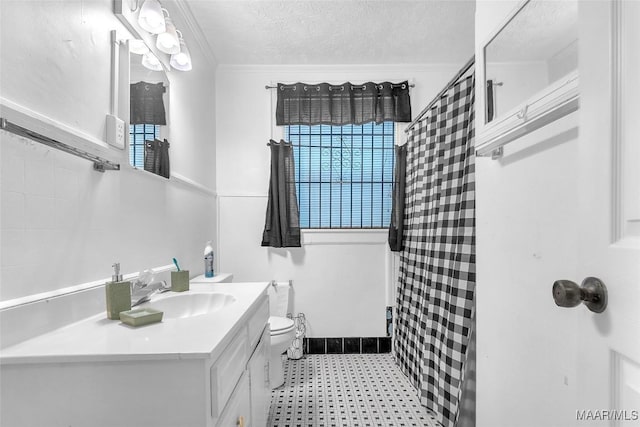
208	260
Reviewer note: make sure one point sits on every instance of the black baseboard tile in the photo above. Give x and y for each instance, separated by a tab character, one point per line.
352	345
384	345
369	345
347	345
334	346
317	346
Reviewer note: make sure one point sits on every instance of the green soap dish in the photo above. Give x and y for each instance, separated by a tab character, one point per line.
141	316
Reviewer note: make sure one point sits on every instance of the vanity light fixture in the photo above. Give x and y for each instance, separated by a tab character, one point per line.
138	47
182	60
155	19
150	62
168	41
151	17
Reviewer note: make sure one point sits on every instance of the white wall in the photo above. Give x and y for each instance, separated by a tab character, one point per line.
526	208
63	224
342	281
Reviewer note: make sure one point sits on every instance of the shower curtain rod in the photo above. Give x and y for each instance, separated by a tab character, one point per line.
453	81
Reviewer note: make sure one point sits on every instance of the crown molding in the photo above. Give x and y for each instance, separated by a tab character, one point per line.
196	31
338	68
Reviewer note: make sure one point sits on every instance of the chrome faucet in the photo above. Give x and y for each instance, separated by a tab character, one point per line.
142	292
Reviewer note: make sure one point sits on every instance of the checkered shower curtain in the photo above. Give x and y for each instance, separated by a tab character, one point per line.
436	284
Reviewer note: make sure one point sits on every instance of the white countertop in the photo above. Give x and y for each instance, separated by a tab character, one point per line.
100	339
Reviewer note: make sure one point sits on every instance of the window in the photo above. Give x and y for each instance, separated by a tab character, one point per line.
344	174
138	134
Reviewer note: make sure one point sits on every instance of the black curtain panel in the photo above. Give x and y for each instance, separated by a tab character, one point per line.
347	103
396	227
156	157
282	222
146	104
436	283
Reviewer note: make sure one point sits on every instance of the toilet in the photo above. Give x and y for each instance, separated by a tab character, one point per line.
283	330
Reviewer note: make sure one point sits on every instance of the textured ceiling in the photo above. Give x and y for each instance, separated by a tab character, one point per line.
336	32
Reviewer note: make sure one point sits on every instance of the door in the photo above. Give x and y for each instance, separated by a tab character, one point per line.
237	412
608	349
258	367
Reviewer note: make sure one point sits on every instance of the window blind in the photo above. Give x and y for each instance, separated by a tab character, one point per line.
344	174
138	134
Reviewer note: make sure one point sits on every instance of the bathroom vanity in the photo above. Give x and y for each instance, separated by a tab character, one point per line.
192	369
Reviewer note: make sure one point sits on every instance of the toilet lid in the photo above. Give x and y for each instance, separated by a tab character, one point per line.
279	324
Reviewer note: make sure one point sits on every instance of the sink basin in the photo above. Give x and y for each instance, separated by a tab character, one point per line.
190	304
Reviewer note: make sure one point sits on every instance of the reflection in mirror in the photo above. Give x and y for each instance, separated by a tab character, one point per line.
536	48
149	102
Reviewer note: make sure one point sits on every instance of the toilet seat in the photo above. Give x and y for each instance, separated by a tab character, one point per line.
280	325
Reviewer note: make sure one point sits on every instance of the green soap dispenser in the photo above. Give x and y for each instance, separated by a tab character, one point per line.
118	294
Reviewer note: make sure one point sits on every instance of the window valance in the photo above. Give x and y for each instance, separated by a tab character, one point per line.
147	105
344	104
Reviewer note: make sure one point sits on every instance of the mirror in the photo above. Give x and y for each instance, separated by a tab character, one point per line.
145	99
530	70
148	108
536	48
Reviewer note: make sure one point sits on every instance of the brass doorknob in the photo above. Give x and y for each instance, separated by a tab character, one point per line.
592	292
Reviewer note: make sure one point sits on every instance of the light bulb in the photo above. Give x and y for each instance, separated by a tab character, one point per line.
151	17
182	60
154	20
150	62
168	42
138	47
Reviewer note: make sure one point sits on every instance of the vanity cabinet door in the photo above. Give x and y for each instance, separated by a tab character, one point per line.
226	371
237	413
259	378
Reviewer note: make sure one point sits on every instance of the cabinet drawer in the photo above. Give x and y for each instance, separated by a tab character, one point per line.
238	406
258	321
226	371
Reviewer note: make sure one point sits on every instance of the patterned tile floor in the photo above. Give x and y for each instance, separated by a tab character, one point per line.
346	390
